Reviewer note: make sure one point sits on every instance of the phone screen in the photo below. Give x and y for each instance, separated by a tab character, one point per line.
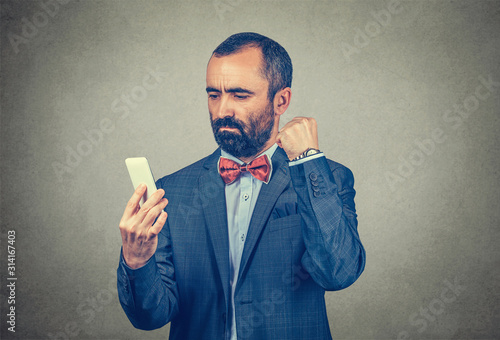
140	172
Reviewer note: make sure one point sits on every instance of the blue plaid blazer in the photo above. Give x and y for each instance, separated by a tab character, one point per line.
302	241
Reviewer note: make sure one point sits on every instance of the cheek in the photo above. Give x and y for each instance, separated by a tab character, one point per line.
212	109
254	125
241	114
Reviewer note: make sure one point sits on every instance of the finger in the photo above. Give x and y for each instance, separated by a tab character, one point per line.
158	226
278	140
151	203
156	197
153	213
133	203
281	137
294	120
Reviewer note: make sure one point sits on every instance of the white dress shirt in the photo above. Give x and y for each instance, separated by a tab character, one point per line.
241	196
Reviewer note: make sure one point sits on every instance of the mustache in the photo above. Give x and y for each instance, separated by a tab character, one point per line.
229	122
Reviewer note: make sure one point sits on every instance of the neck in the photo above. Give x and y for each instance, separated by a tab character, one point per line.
247	160
269	143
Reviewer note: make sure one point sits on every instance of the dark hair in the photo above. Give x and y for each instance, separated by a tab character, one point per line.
277	65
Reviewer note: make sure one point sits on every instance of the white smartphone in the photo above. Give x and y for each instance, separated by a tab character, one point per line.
140	172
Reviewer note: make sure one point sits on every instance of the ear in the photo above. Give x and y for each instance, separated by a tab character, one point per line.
282	100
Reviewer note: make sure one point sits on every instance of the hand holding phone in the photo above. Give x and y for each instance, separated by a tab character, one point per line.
141	224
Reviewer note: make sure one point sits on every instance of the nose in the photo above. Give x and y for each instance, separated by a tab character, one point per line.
225	108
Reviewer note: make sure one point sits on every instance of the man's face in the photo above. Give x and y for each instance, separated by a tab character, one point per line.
241	114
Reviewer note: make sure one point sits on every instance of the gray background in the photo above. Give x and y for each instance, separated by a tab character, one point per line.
427	219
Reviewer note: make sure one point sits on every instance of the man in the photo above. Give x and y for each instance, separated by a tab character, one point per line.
257	231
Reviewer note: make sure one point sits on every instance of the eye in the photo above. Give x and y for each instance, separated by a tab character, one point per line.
241	96
213	96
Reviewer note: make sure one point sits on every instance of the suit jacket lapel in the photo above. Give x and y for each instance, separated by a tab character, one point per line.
213	201
268	195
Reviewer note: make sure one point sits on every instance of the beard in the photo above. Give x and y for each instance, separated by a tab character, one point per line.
251	138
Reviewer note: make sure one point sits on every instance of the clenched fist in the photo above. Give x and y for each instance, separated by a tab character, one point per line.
298	135
139	234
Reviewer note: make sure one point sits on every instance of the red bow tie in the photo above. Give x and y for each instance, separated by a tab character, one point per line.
259	168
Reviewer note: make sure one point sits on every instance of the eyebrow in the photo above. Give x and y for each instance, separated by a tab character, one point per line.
231	90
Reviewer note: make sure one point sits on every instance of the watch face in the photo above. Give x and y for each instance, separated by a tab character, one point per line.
311	152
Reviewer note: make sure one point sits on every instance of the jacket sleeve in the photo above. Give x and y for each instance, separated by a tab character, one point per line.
334	255
148	295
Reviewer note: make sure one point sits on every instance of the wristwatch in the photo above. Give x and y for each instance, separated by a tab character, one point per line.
307	153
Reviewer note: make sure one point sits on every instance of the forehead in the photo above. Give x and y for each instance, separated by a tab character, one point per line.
239	69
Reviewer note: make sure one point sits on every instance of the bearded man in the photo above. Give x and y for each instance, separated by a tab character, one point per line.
257	231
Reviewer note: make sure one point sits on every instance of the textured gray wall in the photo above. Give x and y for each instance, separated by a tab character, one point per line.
410	104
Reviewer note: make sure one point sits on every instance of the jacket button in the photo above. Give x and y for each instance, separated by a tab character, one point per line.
315	189
313	176
316	193
315	183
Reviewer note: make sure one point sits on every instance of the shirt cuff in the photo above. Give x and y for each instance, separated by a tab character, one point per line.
305	159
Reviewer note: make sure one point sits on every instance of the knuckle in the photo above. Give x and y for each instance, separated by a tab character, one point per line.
124	226
145	210
139	235
131	231
152	213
